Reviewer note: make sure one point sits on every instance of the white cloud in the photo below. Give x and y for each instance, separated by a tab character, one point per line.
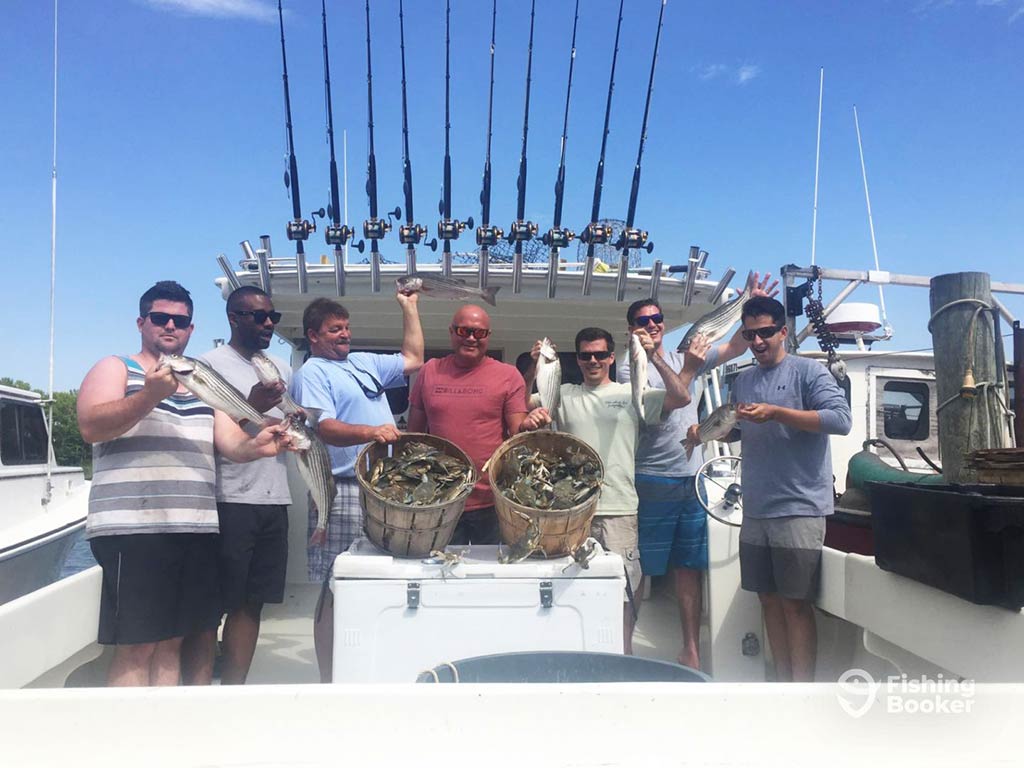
711	71
740	75
1015	7
746	73
253	10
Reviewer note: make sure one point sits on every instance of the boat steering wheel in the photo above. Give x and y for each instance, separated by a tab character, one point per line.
719	492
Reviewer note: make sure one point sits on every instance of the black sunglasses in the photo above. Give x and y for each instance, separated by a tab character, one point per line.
373	393
642	320
181	322
260	316
586	357
749	334
477	333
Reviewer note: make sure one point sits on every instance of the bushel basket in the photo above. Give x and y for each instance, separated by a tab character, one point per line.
562	530
405	530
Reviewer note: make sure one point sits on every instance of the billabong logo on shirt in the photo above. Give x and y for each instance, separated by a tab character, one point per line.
441	389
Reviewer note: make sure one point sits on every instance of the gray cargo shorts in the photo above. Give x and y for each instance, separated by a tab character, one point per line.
782	555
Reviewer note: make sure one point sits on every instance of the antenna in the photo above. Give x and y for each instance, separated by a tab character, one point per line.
817	157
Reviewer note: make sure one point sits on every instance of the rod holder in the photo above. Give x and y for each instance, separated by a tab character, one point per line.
727	277
691	278
552	273
620	283
228	272
655	279
339	271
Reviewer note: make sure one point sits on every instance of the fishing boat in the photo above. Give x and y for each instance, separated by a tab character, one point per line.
874	626
43	505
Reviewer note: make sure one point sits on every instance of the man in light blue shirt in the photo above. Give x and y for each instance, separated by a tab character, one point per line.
348	389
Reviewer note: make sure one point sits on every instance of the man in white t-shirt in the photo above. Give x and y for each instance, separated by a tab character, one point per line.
600	412
252	498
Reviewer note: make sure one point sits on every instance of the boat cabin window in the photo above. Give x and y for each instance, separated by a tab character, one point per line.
22	434
905	410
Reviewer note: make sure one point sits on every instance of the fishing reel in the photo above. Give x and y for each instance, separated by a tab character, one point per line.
558	238
598	234
489	236
412	234
376	229
334	234
299	229
520	231
634	239
450	229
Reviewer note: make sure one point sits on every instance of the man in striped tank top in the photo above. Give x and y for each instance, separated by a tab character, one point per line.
152	519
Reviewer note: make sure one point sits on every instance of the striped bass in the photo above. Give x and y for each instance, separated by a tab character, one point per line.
269	375
549	377
210	387
716	426
637	373
716	323
444	287
314	465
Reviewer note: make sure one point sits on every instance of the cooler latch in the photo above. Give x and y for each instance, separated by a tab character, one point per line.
412	594
547	594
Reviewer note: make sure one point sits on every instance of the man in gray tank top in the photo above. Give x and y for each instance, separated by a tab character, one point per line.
673	528
787	407
253	497
152	519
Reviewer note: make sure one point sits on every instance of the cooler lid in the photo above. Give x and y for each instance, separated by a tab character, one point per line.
363	560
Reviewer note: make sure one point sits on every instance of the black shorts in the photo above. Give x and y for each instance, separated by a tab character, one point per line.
253	553
157	586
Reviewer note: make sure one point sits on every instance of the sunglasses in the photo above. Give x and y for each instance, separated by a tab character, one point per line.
260	316
181	322
371	392
477	333
586	357
641	321
749	334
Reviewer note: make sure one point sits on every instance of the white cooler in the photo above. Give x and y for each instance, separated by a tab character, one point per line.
395	618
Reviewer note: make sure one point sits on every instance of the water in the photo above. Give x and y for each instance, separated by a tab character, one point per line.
79	557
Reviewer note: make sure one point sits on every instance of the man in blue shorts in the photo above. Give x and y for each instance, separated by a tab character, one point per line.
348	388
787	407
673	530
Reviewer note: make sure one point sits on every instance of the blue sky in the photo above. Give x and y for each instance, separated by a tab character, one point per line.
171	139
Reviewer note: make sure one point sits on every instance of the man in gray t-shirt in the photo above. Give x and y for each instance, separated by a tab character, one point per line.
673	531
787	407
253	498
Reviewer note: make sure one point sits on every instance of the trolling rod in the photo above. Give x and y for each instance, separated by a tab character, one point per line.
596	233
298	229
631	237
448	229
557	237
335	233
488	235
522	230
409	234
374	229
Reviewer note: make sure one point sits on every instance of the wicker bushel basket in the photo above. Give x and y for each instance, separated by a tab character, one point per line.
402	529
562	530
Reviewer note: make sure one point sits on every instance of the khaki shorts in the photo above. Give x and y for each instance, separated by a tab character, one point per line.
618	534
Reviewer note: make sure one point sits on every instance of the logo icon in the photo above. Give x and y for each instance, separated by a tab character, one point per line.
857	692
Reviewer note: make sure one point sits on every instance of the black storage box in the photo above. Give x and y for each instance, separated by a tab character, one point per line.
967	540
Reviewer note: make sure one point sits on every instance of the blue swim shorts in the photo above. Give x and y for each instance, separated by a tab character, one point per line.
673	527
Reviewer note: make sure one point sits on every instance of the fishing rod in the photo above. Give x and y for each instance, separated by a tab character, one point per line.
522	230
335	233
631	237
557	237
298	229
596	233
374	229
448	229
409	234
488	235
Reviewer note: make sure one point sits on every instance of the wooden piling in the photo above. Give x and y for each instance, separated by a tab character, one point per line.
965	422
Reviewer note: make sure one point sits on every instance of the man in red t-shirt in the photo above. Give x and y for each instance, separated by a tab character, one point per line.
476	402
